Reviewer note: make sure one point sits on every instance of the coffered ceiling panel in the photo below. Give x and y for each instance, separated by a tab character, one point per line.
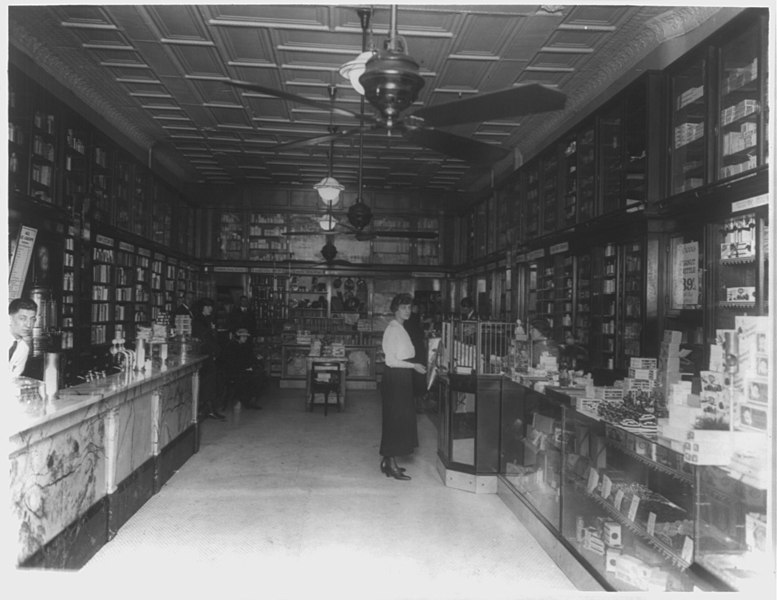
162	72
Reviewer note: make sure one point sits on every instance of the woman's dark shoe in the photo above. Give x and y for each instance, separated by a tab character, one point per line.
394	470
216	415
384	467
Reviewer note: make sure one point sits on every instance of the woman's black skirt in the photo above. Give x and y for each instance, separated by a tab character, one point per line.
400	428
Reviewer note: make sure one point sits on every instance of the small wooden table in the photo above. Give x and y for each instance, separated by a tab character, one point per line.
325	359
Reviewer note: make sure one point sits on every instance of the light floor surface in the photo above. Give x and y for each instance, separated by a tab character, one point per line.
284	503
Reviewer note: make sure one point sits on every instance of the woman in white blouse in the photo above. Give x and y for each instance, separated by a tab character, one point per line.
399	434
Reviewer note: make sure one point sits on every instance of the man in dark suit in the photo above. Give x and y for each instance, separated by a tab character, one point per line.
242	317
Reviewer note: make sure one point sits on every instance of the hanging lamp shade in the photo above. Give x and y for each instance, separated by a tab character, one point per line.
329	190
354	69
327	222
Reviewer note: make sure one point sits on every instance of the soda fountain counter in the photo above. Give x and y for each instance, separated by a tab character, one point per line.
83	462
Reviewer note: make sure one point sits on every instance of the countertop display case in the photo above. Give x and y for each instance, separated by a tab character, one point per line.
629	504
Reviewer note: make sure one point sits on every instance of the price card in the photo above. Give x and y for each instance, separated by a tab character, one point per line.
593	480
618	499
687	554
606	487
651	524
633	507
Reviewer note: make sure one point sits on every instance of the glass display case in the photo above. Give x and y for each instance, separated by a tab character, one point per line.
586	151
582	316
610	150
628	506
631	302
615	300
741	273
102	181
140	202
472	357
639	511
530	448
604	280
549	198
568	216
123	193
742	127
532	202
19	128
689	108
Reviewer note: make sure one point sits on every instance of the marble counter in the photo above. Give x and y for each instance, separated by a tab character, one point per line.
84	462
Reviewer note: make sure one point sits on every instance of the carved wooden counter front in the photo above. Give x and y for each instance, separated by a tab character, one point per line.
84	463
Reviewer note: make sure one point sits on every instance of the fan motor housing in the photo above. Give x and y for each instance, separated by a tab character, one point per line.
329	251
391	83
359	215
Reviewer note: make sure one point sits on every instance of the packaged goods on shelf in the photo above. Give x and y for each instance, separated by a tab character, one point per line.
612	534
755	533
611	394
643	363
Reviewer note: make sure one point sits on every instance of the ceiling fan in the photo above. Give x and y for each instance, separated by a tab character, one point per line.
359	214
391	81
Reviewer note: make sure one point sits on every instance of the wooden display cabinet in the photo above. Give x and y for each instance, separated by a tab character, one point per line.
161	214
549	186
103	314
689	126
101	176
123	193
531	202
19	134
742	122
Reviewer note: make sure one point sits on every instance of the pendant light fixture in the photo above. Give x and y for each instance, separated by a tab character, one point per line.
329	188
359	214
354	69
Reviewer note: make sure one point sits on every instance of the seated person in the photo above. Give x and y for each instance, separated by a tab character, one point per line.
540	341
242	368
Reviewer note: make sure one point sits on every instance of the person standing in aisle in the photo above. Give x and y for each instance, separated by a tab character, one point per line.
399	428
243	370
185	305
22	313
204	329
242	317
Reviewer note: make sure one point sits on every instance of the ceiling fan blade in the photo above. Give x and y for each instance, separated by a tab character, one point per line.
523	99
319	139
324	106
455	145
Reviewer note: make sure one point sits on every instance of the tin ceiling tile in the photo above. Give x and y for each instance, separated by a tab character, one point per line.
178	23
174	60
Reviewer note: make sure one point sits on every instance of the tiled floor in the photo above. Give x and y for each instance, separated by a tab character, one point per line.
283	503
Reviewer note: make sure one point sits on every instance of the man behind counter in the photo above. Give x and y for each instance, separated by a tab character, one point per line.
22	313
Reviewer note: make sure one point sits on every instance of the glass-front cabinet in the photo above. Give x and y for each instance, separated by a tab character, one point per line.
742	116
741	270
718	125
689	97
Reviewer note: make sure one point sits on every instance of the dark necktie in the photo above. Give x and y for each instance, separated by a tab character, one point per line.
13	349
